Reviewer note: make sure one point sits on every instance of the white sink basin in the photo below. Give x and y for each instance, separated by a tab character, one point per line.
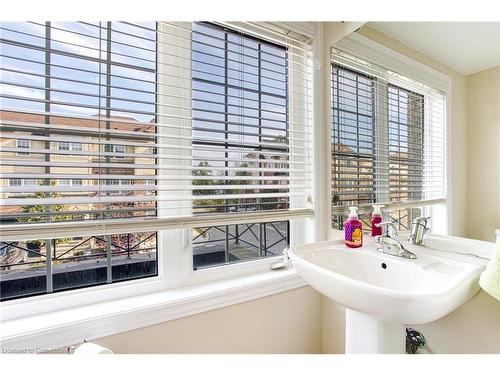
393	289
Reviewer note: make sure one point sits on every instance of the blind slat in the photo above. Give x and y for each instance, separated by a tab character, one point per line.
111	120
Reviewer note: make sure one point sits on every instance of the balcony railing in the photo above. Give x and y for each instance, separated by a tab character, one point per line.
51	265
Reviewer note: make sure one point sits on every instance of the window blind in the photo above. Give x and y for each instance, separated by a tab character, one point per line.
388	136
165	120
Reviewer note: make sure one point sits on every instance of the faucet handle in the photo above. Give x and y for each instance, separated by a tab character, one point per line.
389	229
420	219
419	230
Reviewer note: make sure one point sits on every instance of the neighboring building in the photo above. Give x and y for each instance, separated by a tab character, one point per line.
75	161
74	158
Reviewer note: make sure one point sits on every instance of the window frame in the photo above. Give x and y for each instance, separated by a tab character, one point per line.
20	144
187	276
72	146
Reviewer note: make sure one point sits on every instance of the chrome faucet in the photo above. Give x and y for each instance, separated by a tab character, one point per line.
389	241
419	230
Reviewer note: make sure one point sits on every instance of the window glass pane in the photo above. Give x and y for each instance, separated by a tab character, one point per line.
23	269
240	110
76	262
406	131
353	138
133	255
236	243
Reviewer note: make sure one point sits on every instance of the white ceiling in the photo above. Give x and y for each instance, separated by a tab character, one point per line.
467	47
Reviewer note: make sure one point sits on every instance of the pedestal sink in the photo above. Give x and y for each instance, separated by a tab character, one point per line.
383	293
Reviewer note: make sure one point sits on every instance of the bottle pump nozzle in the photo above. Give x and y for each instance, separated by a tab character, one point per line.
353	212
377	208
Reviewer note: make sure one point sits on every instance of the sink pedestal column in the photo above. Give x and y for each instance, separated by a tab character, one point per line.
366	334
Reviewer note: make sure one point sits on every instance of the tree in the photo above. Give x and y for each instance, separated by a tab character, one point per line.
209	181
36	211
126	242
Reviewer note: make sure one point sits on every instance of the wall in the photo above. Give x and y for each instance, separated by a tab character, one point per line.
473	328
288	322
483	150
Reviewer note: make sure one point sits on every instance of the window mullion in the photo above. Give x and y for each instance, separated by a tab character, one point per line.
226	137
47	181
109	273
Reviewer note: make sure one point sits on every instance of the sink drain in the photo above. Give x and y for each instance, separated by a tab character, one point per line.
383	265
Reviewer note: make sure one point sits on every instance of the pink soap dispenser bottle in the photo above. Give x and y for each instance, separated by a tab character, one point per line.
376	219
353	229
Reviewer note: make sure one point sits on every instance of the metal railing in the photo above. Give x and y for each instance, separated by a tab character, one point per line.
75	262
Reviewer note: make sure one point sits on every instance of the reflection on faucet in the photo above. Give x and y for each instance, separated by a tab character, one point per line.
390	242
419	230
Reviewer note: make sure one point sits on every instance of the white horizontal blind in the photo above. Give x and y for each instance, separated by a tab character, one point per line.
388	136
152	120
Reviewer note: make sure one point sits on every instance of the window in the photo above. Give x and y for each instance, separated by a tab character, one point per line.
70	182
201	126
240	131
23	143
387	141
69	146
116	182
353	138
100	85
115	149
406	144
23	182
65	146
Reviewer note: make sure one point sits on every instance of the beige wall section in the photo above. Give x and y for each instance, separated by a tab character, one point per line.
483	148
474	328
288	322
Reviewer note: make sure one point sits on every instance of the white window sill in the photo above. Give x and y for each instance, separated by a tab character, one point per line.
72	326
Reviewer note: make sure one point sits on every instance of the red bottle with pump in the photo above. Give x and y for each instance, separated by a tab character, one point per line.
376	219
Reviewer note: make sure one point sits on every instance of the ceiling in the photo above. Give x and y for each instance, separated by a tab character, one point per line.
467	47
